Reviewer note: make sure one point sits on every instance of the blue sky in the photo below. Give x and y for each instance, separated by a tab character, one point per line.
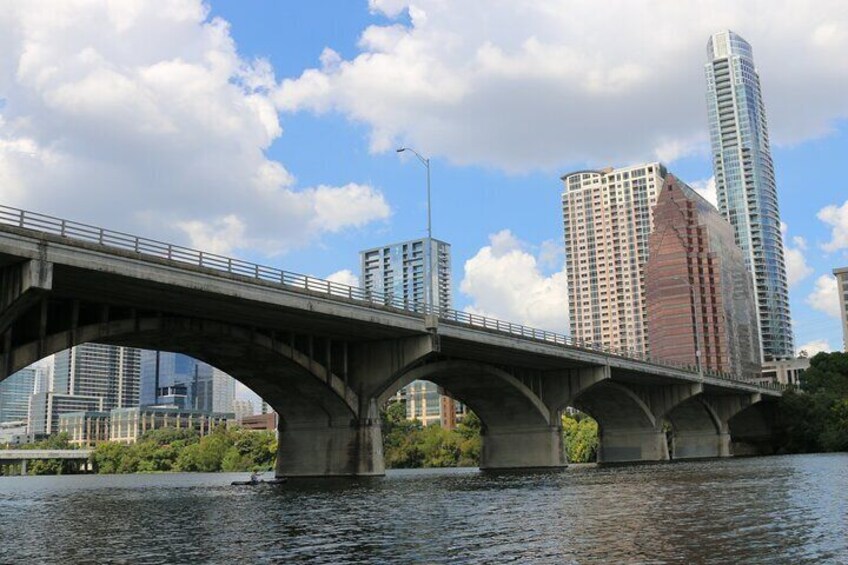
267	129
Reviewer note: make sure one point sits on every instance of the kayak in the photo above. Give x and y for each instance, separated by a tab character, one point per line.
257	483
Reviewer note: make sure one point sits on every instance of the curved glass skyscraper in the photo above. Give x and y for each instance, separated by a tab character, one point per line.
744	175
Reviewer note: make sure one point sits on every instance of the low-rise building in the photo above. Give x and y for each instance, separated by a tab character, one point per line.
260	422
85	429
784	371
128	424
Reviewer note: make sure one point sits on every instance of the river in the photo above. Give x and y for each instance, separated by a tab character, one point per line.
783	509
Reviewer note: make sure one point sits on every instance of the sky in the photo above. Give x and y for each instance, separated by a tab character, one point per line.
267	130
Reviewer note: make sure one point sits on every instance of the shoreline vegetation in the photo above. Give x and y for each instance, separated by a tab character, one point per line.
812	418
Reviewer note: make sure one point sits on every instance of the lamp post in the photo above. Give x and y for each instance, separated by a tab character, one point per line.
428	281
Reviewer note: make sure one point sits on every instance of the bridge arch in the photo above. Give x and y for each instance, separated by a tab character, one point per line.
697	430
296	386
628	429
517	427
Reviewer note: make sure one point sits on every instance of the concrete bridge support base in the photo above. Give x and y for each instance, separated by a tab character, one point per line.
700	445
632	446
355	449
538	447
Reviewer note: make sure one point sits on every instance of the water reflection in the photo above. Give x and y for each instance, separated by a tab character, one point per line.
766	510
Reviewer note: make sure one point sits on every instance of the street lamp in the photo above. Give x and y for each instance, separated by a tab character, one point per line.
428	281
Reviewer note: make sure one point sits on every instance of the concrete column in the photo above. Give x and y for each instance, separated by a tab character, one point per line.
537	447
631	446
23	467
316	450
700	445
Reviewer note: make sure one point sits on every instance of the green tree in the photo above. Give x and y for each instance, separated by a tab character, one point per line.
816	417
580	435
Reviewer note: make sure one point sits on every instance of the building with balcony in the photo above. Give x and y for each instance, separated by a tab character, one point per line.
745	183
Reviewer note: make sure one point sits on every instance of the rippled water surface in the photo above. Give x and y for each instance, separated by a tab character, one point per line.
790	509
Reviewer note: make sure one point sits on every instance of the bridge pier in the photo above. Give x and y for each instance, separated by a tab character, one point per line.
315	450
515	448
23	467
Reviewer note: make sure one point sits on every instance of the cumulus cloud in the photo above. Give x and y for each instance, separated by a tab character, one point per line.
144	117
345	277
552	82
825	296
813	347
707	189
504	281
837	218
794	254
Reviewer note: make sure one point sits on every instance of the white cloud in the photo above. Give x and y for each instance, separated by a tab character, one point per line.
504	281
707	189
345	277
837	218
794	254
813	347
144	117
825	296
521	85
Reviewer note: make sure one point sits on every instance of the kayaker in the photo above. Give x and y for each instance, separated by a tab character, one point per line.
255	478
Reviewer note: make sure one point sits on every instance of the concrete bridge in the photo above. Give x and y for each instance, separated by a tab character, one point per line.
23	456
327	356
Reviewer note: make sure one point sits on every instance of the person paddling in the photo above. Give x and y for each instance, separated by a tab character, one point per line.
255	478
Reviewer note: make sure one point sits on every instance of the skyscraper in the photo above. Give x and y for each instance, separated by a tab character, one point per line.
745	183
401	270
699	293
607	220
109	372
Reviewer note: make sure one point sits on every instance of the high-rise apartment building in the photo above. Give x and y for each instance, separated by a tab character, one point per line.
96	370
745	183
403	269
842	289
699	294
607	218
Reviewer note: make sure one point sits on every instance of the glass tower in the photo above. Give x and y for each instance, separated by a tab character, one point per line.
744	176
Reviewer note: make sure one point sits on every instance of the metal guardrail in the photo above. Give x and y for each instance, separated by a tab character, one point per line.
305	283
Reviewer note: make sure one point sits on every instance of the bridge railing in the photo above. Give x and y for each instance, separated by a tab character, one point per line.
186	255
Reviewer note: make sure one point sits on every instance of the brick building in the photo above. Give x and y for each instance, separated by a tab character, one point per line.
699	295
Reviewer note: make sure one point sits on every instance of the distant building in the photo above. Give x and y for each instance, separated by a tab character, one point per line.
745	182
45	408
784	371
242	408
266	421
179	380
93	369
13	433
842	290
126	425
15	392
85	429
699	295
607	218
402	270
